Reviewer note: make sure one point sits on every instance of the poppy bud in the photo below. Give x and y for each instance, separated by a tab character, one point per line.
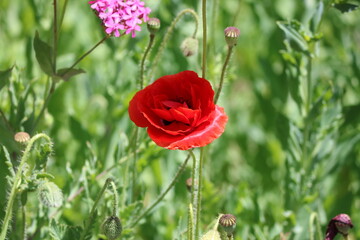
112	227
189	46
228	223
211	235
21	137
339	224
231	35
50	194
153	25
189	184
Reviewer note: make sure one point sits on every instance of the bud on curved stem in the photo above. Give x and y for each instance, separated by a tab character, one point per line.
17	181
338	224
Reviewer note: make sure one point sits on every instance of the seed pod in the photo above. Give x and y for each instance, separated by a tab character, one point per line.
112	227
50	194
153	25
231	36
189	46
21	137
228	223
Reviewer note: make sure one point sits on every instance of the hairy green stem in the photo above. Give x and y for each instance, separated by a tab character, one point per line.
162	195
168	34
190	223
17	181
142	65
55	34
204	38
221	82
85	54
90	219
115	200
305	157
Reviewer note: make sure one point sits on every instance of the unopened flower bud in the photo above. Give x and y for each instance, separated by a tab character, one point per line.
50	194
22	137
112	227
339	224
189	184
211	235
189	46
228	223
153	25
231	36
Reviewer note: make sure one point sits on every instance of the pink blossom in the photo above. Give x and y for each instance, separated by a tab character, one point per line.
121	15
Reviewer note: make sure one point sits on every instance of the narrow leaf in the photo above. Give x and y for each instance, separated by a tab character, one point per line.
291	31
66	73
345	7
5	76
44	55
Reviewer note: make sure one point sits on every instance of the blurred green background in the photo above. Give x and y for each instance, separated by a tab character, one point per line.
255	170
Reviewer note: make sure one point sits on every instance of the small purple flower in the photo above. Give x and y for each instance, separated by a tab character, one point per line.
339	224
121	15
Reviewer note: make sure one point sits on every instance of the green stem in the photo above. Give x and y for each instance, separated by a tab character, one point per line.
23	210
17	181
204	38
45	105
63	13
90	219
162	195
55	34
307	113
217	95
190	223
116	199
168	34
133	165
142	65
85	54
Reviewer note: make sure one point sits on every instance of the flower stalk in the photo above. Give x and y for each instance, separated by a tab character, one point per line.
204	38
16	183
168	35
142	65
221	82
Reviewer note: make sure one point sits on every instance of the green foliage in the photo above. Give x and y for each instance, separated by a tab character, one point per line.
287	162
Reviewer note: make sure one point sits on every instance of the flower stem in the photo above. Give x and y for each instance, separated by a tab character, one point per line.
55	34
87	53
204	38
90	219
142	65
226	63
17	181
305	157
190	223
217	95
116	199
168	34
162	195
196	190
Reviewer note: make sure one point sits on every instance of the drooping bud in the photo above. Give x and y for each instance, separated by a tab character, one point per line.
153	25
50	194
21	137
112	227
231	36
211	235
339	224
228	223
189	184
189	46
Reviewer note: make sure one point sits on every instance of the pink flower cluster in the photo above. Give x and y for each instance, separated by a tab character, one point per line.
121	15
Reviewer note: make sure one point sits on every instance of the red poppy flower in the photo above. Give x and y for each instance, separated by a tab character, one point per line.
178	111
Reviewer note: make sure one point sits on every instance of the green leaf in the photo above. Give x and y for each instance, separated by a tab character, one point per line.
64	232
44	55
291	30
5	76
66	73
345	7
